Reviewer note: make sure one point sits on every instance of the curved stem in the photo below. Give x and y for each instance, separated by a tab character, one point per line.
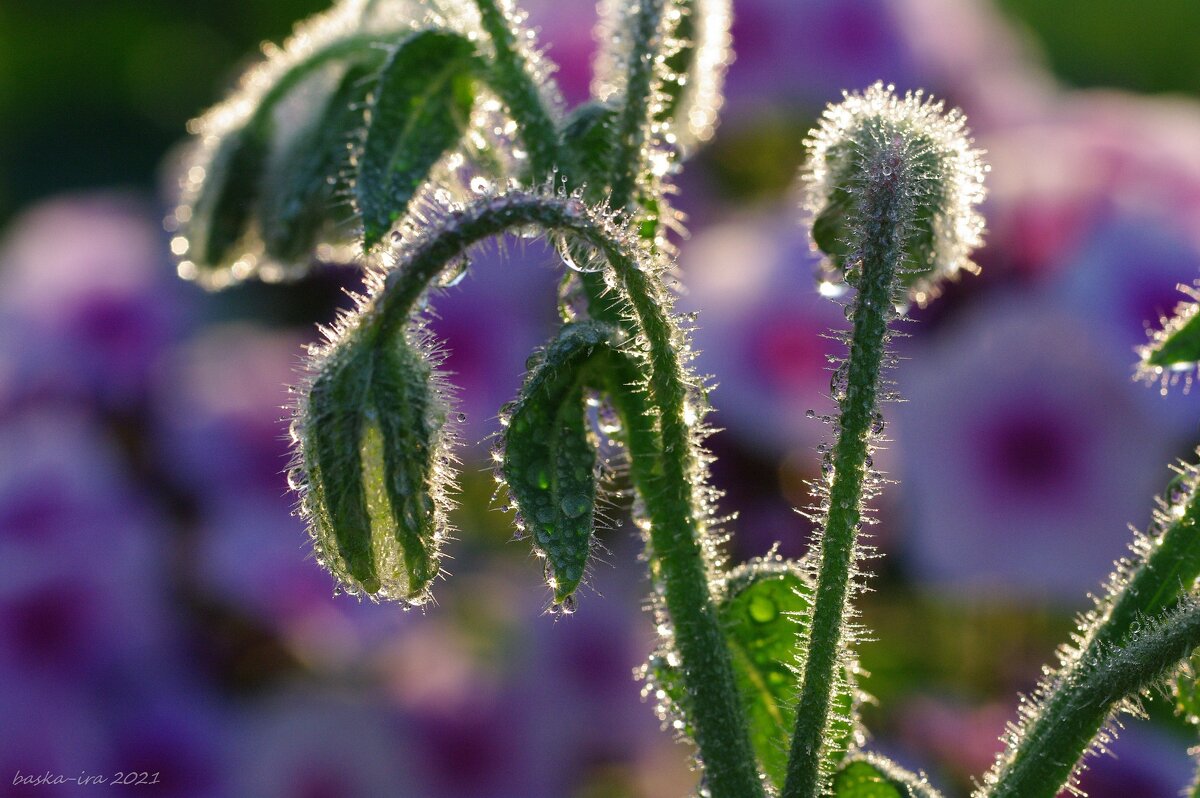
513	81
1043	755
718	715
1087	697
881	255
637	111
717	711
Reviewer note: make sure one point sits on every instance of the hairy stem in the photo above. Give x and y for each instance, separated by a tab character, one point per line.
512	79
1045	756
716	706
1087	696
881	254
637	109
718	715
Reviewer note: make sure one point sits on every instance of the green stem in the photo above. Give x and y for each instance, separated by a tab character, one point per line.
881	254
1088	694
636	113
718	715
513	82
716	706
1044	757
681	61
512	79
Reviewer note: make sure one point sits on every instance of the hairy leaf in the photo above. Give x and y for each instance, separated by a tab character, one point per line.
301	188
764	612
1174	350
550	458
222	211
873	776
225	183
419	110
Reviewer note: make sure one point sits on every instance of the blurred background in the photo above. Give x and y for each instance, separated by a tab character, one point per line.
160	612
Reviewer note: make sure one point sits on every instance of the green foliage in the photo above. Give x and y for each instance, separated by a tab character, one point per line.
303	184
875	777
550	461
765	610
382	102
419	111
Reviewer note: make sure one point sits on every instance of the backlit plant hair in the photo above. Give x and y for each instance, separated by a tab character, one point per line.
404	134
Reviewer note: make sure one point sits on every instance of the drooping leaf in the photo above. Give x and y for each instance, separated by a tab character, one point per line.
549	450
221	212
872	776
224	179
764	611
299	200
419	110
410	420
371	450
587	131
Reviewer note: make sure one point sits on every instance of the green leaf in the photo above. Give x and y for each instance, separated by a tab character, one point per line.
224	202
550	458
371	451
420	109
763	611
587	131
873	776
410	419
221	212
1176	347
334	434
862	780
302	186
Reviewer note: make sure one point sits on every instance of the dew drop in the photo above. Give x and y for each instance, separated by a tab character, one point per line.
575	505
877	423
454	272
832	289
763	610
838	383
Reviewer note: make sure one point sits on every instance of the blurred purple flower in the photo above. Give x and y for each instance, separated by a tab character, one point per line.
564	31
760	328
87	283
177	735
491	322
57	734
81	564
1123	279
968	53
1025	452
221	404
321	745
848	44
1089	158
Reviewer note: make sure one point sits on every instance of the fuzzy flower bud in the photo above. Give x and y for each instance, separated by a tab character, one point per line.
927	154
372	465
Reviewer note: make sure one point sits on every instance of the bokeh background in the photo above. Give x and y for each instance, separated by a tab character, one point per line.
159	610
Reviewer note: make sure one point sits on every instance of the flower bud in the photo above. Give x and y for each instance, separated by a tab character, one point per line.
909	145
373	465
